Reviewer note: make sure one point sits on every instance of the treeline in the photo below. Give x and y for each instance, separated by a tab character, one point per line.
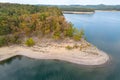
71	8
91	7
86	8
103	7
19	21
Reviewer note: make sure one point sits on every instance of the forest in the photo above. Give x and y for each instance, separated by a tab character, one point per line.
90	7
86	8
20	21
71	8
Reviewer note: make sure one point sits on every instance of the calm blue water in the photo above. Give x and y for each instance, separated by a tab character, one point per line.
101	29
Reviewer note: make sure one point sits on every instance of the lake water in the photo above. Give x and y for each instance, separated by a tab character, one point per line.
101	29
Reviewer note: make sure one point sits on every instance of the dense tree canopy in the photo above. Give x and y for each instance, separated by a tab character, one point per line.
25	18
87	8
18	21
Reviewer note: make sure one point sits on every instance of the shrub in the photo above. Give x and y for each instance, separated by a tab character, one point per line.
69	47
56	35
76	37
85	38
3	41
6	40
69	31
82	32
75	46
78	34
30	42
14	39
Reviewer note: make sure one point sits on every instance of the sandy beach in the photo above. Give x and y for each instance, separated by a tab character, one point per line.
87	55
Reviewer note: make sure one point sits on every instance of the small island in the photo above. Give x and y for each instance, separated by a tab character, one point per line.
43	33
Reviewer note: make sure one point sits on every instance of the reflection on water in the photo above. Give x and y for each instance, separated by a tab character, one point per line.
102	29
9	61
22	68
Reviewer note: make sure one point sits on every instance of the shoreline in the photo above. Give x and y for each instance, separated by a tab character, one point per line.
107	11
89	56
77	12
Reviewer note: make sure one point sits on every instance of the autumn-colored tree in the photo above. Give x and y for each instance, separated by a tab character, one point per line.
29	20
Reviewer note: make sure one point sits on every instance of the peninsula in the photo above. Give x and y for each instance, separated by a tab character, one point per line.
43	33
78	52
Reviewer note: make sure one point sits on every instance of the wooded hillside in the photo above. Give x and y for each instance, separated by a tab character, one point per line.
18	21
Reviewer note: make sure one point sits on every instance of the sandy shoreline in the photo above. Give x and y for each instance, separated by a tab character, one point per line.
86	56
76	12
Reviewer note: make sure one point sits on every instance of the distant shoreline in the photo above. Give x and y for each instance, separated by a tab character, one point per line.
77	12
107	11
